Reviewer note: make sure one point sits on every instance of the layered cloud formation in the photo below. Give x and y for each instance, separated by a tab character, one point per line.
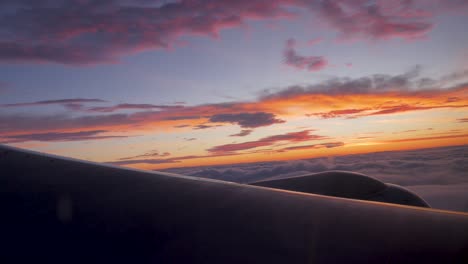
89	32
375	95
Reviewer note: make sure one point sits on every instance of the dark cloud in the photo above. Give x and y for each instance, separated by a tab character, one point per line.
438	175
247	120
174	117
376	83
365	137
242	133
338	113
378	110
182	126
145	161
131	161
150	154
114	108
292	137
456	76
74	106
463	120
310	63
313	146
401	108
102	31
406	131
202	126
63	136
66	102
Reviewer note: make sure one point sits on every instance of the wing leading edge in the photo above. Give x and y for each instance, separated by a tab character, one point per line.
58	210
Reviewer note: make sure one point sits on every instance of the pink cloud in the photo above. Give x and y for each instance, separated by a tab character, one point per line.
314	41
267	141
90	32
377	20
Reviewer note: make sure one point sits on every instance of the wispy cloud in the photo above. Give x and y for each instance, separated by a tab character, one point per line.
59	102
314	41
53	136
151	154
380	20
178	159
202	126
109	109
242	133
338	113
145	161
313	146
310	63
292	137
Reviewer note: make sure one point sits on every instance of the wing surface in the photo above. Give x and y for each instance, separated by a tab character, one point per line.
60	210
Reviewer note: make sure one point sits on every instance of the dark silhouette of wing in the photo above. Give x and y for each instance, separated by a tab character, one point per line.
347	185
59	210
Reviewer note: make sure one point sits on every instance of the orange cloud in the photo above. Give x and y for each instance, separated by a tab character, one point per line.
336	98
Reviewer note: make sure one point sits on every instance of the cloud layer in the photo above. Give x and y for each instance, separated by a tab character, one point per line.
438	175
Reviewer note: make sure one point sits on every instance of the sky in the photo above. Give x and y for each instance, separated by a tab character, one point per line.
162	84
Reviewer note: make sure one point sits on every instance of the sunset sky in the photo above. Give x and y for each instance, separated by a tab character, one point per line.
160	84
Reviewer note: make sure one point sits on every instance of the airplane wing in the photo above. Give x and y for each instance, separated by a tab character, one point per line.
61	210
347	185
